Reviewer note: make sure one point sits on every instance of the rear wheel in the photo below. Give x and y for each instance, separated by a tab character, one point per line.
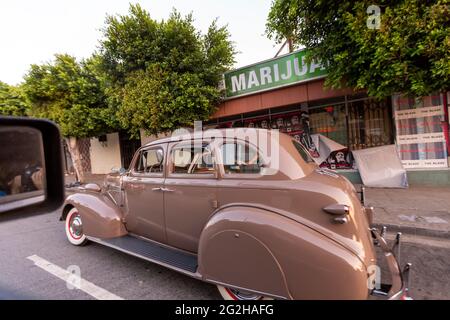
235	294
74	228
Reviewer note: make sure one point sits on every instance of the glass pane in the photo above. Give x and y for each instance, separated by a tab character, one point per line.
151	161
203	162
329	121
420	136
190	160
369	123
301	150
240	158
22	166
181	159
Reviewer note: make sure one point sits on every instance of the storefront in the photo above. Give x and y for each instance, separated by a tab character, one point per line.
288	94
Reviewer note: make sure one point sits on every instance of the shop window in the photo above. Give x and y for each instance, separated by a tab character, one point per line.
420	136
369	124
362	123
329	121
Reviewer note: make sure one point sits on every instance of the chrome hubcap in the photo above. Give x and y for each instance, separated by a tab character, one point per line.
242	295
76	226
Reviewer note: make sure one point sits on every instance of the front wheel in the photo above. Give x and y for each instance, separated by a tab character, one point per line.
74	228
235	294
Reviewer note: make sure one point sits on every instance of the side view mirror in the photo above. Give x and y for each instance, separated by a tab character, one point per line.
31	167
119	171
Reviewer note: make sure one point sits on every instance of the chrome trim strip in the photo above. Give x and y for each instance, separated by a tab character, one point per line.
21	202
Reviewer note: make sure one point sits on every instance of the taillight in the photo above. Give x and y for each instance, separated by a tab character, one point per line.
405	296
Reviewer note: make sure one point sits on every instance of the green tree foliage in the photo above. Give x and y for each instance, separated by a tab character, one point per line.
163	74
71	94
409	53
12	101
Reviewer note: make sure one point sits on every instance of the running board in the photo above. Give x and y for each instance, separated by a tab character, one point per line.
152	251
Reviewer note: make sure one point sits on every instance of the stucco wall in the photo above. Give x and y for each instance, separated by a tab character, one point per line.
104	157
146	138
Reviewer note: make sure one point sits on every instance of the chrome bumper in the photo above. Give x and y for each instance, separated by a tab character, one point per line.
399	289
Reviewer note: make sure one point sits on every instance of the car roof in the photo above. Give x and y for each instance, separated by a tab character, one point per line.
191	136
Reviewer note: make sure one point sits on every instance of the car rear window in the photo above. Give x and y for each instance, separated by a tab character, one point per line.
302	151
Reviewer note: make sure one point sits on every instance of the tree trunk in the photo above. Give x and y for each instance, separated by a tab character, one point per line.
74	149
290	44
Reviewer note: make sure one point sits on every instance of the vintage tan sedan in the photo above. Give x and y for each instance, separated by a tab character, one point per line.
219	211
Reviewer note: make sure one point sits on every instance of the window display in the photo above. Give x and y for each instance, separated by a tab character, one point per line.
420	134
369	124
360	124
330	121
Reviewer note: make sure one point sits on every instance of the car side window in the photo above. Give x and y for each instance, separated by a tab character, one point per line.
150	161
190	159
240	157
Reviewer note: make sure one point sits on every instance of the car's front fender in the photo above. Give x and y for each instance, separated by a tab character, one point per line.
101	217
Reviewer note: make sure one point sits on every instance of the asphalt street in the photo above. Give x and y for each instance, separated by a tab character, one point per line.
127	277
120	274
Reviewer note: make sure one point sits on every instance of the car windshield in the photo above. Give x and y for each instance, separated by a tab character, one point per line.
302	151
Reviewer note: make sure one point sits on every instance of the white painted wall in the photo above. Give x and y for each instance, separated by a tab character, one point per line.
105	157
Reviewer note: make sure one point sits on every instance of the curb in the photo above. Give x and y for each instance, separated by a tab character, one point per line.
441	234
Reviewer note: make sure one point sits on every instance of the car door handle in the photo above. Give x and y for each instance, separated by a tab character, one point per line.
157	189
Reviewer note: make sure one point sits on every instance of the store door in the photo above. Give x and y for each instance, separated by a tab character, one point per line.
128	147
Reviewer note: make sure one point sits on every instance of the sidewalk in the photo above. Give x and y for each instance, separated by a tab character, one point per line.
422	211
422	215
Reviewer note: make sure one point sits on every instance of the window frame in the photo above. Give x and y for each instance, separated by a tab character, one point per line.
176	145
225	175
149	174
302	148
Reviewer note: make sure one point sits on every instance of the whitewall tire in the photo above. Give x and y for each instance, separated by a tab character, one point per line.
74	228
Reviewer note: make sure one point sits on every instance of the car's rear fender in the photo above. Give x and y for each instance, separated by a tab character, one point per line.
101	217
252	248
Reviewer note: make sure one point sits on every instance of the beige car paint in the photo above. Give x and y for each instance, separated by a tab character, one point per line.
266	234
144	208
